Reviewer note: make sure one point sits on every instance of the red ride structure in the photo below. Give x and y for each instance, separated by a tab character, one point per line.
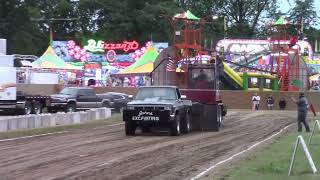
196	80
286	56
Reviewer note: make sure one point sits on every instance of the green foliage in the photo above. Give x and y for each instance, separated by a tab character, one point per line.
26	24
304	12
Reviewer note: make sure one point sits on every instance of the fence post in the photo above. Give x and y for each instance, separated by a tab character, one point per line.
316	123
306	152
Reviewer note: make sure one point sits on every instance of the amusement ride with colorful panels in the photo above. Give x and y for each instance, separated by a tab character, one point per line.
285	70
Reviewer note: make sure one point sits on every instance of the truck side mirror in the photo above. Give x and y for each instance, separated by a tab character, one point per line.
183	97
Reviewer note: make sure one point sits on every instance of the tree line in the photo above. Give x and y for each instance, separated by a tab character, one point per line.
26	23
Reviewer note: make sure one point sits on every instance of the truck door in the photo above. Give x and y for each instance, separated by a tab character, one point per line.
86	98
81	99
92	98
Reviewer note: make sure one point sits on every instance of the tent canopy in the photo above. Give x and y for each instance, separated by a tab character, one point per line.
186	15
281	21
50	59
144	65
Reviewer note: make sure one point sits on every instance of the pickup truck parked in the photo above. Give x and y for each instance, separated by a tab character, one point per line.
158	106
71	99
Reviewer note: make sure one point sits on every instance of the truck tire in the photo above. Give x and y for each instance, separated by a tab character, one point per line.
51	110
145	129
106	104
219	117
130	128
224	110
36	107
187	124
175	126
71	107
27	108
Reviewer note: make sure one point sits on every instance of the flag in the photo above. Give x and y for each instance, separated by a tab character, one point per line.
225	25
171	65
297	83
51	37
313	110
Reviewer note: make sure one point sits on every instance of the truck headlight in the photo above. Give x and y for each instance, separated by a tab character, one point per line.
63	99
169	108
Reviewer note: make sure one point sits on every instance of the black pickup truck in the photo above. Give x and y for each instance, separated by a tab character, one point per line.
158	106
72	98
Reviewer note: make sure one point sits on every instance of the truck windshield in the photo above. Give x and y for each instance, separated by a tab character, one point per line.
68	91
159	93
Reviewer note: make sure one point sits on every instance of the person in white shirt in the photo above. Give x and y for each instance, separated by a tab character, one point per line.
255	101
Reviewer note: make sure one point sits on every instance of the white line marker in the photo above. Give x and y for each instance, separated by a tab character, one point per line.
237	154
106	163
116	124
39	135
109	125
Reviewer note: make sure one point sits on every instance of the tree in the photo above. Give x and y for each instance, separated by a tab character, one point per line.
304	12
23	36
139	20
244	15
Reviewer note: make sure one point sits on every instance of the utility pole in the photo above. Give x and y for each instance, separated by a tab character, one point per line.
50	20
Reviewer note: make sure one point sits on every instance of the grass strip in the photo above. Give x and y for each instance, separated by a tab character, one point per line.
273	161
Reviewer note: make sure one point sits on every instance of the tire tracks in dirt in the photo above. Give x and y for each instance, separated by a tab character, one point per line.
106	153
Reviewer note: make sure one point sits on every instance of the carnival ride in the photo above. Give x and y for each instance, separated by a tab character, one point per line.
274	64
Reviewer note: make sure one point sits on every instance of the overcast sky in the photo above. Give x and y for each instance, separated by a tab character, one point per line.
285	7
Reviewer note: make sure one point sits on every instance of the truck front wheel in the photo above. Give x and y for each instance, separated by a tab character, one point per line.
52	110
37	107
175	126
130	128
71	107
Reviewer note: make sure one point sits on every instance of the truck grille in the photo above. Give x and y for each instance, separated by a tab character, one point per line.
150	108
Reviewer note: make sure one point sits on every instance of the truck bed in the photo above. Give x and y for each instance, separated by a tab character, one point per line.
203	96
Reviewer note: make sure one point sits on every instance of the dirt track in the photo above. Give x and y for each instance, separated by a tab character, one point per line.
106	153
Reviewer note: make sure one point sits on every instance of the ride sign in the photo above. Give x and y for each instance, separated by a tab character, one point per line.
102	46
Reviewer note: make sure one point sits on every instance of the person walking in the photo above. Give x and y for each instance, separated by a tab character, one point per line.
255	101
270	102
302	104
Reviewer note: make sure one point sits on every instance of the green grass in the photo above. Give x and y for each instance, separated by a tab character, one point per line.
90	124
272	163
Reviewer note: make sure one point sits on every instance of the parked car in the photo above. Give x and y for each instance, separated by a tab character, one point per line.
71	99
116	100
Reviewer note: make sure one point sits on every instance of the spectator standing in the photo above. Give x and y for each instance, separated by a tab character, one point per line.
302	104
270	102
255	101
282	103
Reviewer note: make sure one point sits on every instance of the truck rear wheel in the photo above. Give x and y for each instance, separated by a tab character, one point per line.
36	108
175	126
219	117
130	128
187	124
27	108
